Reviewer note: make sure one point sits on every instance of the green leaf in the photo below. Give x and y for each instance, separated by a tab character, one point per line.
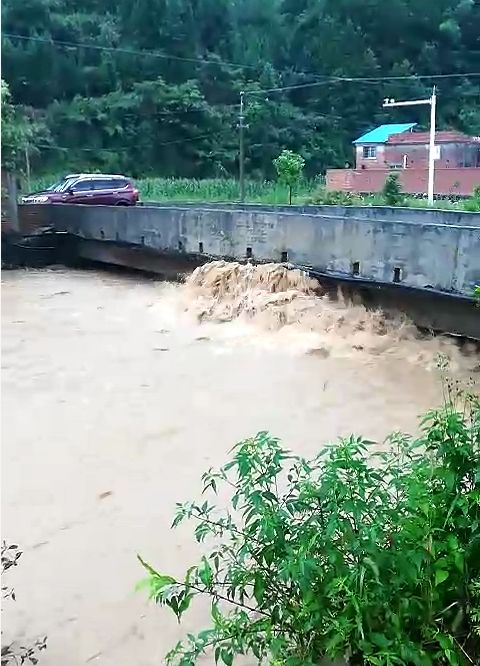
215	613
186	661
258	588
440	576
227	657
205	572
373	566
184	603
380	640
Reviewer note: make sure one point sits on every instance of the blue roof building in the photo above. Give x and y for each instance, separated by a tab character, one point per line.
382	133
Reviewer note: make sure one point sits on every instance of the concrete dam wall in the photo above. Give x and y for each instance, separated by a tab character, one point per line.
421	249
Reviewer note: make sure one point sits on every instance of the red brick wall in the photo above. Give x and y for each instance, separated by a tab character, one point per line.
417	156
413	181
370	162
452	155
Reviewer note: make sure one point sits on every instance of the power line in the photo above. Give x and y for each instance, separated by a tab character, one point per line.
153	54
139	115
172	113
116	49
364	79
207	61
129	148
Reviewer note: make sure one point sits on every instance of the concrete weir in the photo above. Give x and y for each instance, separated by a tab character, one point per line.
424	262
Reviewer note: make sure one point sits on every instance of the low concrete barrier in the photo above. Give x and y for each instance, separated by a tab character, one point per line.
380	213
420	252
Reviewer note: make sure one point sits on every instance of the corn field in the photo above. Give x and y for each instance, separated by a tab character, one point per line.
261	191
213	189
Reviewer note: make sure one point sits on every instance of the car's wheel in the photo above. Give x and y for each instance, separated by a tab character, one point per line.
122	203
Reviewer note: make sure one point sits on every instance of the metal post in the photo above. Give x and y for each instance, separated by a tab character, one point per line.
12	203
431	150
241	157
27	166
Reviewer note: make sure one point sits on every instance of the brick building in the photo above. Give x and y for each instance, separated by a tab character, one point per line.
398	146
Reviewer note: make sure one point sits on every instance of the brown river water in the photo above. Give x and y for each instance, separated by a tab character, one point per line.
119	391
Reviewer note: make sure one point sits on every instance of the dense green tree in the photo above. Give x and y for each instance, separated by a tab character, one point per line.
20	134
152	87
12	131
289	167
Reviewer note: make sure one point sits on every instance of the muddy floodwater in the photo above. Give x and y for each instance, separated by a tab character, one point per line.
119	391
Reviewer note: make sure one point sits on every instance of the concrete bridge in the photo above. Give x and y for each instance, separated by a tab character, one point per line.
426	262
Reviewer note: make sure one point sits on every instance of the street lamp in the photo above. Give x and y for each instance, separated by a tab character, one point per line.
241	155
432	101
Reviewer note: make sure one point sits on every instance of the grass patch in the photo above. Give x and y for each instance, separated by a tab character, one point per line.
322	196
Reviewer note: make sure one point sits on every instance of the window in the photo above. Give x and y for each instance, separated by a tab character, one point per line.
104	184
83	186
62	185
369	152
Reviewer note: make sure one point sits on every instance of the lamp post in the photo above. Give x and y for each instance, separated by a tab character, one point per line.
432	101
241	153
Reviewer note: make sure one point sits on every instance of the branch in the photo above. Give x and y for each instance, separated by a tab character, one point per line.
215	594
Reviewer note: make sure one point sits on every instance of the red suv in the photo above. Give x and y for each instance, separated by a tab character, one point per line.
84	188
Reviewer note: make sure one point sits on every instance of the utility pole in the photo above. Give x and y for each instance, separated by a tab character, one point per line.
431	150
432	101
27	166
241	157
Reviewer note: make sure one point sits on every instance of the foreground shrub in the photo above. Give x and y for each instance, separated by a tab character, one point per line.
472	205
374	557
322	196
392	190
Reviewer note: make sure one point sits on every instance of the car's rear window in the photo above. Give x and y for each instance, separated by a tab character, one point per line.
120	182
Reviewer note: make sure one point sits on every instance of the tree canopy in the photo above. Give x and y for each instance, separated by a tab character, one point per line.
289	167
152	87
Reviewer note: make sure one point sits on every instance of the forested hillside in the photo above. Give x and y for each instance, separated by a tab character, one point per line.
152	86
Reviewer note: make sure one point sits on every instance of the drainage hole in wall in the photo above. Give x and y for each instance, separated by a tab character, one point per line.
142	240
200	247
180	246
249	253
117	236
102	234
356	268
397	274
284	256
